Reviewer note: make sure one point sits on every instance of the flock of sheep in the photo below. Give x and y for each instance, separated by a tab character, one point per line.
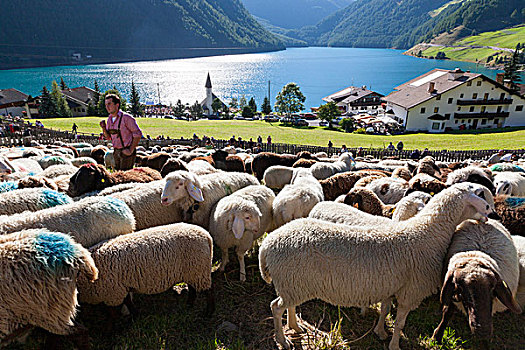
351	232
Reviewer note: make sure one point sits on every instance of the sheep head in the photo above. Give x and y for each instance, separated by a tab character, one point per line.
480	201
89	177
474	282
503	187
181	184
245	220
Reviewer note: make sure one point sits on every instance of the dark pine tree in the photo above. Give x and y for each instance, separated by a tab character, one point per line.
47	106
252	105
266	106
511	70
136	108
63	85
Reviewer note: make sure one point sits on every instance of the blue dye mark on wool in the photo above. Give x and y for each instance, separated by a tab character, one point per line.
514	202
8	186
50	198
508	167
117	206
54	250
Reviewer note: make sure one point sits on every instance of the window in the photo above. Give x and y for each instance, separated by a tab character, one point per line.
423	110
442	126
478	83
455	121
438	97
499	109
471	109
502	96
496	121
470	121
469	83
519	108
461	95
435	126
483	109
436	109
486	96
450	100
474	96
447	115
459	109
483	121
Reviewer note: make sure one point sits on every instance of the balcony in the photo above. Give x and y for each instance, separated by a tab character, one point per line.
365	103
481	115
505	101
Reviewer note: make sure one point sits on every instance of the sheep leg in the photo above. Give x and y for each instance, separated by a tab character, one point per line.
380	327
240	256
402	313
225	259
192	295
292	320
210	301
278	311
440	330
130	305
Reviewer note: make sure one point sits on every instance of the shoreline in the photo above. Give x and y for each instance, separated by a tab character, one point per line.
191	53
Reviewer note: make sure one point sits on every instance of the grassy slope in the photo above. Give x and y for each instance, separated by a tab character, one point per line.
305	136
465	49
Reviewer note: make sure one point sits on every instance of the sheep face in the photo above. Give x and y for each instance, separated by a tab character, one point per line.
179	185
89	177
242	221
480	201
475	283
503	187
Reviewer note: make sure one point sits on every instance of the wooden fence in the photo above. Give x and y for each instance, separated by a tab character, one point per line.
49	136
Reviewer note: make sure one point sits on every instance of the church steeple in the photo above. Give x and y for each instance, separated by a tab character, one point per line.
208	82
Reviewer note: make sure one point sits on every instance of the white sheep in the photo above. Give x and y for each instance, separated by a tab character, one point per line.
150	261
341	213
356	266
32	199
482	265
297	199
47	161
83	160
474	174
201	167
410	205
277	176
88	221
39	270
519	242
389	189
323	170
239	219
109	160
510	183
57	170
194	196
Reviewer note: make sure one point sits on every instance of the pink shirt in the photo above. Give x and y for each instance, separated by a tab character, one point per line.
128	129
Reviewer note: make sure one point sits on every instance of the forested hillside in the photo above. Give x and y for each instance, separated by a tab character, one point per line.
294	13
117	30
401	24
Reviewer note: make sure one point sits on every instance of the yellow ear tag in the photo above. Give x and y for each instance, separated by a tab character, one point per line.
102	180
431	193
393	210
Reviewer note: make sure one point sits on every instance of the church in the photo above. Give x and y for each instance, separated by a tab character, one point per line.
210	97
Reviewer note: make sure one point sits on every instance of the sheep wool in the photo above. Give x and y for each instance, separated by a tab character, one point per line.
149	262
507	167
356	266
88	221
7	186
39	269
519	242
239	219
31	199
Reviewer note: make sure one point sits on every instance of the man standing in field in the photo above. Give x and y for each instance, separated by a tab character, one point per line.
123	132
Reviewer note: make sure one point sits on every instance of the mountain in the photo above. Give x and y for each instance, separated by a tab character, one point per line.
50	32
403	23
294	13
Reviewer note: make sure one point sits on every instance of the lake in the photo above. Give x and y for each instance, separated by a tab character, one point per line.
319	71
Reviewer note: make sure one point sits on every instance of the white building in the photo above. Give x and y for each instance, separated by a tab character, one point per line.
355	98
442	100
210	97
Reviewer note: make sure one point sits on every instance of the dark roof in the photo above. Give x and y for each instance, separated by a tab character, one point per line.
349	94
80	95
213	97
12	97
415	91
208	82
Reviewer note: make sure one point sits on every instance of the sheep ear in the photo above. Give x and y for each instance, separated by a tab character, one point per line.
384	189
503	293
194	191
238	227
447	292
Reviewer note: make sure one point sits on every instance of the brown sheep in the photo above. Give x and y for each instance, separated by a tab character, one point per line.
172	164
155	161
511	212
402	173
222	160
95	177
425	183
264	160
304	163
341	183
98	153
367	201
37	181
368	179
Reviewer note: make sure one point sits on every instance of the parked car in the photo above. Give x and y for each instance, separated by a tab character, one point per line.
271	118
323	123
238	117
169	117
300	122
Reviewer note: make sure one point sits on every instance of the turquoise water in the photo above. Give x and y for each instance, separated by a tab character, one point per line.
319	71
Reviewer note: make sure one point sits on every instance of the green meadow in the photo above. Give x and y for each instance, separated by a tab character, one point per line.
318	136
